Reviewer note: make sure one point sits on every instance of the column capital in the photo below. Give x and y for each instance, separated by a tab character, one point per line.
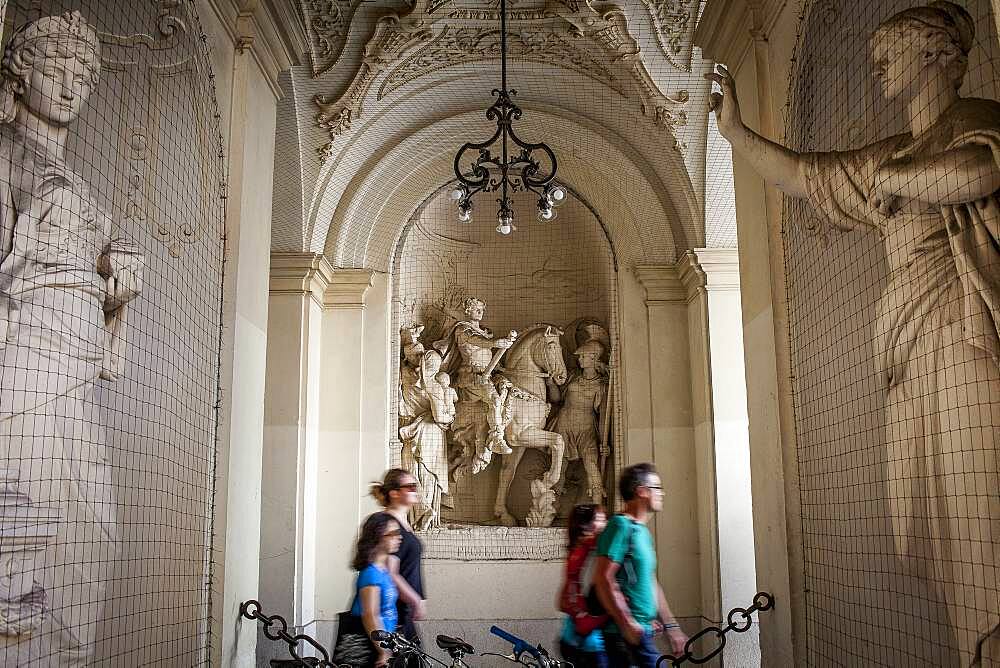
300	273
347	288
721	267
662	282
691	274
727	28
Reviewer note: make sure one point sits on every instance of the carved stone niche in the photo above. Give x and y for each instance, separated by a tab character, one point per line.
25	530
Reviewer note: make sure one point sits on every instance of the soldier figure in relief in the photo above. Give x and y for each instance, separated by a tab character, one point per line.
579	418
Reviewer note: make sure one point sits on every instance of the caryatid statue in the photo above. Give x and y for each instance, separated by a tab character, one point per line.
65	283
934	194
472	349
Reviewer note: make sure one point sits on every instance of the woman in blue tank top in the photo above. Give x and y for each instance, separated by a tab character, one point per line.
375	592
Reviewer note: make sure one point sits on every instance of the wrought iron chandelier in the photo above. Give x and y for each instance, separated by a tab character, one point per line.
516	168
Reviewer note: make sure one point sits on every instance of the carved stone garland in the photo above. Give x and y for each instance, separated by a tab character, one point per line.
430	51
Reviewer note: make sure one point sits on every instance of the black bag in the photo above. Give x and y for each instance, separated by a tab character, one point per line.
354	647
594	606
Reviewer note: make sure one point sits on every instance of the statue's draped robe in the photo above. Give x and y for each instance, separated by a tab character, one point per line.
53	341
424	444
937	325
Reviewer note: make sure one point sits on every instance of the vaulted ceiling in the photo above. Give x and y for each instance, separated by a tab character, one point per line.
369	128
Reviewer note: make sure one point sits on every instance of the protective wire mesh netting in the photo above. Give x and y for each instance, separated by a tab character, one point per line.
561	273
111	261
894	358
376	135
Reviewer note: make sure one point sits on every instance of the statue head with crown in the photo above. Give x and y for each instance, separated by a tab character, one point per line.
50	67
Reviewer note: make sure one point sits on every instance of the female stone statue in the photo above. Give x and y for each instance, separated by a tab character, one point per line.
426	408
932	192
579	418
64	284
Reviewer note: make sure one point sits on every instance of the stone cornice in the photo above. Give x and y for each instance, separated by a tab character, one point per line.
347	288
300	273
691	275
662	283
271	30
728	27
720	266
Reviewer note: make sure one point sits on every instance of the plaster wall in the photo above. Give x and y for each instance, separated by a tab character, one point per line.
247	102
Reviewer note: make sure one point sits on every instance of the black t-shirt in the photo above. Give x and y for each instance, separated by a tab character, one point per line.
410	553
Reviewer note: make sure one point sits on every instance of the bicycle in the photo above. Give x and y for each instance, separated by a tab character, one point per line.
404	651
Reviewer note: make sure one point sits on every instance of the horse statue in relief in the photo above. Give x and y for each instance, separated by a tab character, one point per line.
535	356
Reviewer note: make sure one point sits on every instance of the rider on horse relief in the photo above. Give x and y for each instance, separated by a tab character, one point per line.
473	350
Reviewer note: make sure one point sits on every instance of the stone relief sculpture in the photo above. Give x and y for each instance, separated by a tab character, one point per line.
426	409
536	356
65	285
472	354
934	194
581	418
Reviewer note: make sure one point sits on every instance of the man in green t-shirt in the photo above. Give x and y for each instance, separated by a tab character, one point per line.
626	576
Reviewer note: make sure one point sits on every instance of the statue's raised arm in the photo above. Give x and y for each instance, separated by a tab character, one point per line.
780	166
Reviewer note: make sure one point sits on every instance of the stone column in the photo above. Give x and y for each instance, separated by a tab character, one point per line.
327	376
291	419
339	468
673	438
725	515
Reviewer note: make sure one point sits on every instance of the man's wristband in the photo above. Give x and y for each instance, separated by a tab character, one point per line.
673	625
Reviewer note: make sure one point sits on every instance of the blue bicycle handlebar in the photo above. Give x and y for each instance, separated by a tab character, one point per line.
520	646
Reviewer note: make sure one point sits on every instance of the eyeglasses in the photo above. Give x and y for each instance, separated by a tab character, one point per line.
410	487
656	487
393	534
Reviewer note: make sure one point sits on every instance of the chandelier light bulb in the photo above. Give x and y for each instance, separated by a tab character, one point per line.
557	195
545	215
505	228
457	194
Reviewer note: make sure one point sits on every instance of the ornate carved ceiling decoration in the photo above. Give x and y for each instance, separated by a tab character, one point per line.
453	46
674	23
327	24
435	34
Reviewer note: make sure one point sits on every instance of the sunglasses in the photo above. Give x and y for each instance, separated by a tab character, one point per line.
392	534
410	487
653	487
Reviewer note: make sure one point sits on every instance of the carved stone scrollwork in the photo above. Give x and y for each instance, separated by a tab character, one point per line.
328	23
393	35
666	111
167	21
563	33
673	21
469	44
138	143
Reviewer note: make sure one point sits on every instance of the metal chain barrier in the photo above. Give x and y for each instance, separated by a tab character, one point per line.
738	621
276	628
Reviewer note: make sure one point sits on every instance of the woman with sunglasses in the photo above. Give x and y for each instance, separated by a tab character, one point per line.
375	594
398	493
